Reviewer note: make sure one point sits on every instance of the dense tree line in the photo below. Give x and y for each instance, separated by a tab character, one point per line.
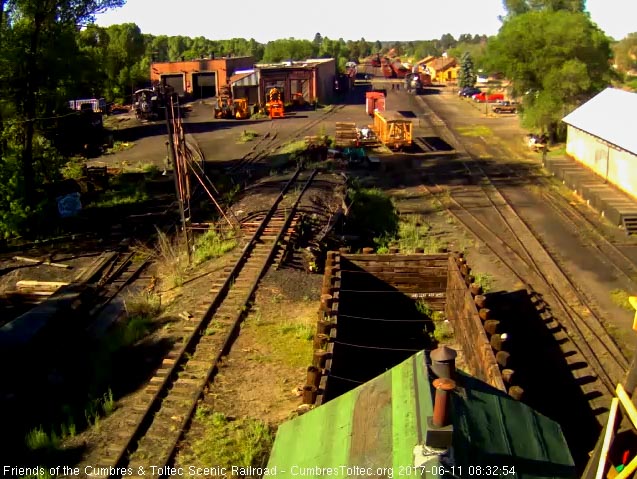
52	52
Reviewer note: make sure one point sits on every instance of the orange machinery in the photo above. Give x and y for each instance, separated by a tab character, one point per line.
275	104
393	130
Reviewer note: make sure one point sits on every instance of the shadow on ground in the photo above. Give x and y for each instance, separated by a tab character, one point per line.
542	371
48	388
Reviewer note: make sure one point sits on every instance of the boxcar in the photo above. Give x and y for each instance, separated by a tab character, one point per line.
393	130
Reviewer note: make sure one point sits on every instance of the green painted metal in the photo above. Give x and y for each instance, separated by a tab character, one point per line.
492	430
372	431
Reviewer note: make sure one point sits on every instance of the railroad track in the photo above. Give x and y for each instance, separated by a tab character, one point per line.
273	140
154	426
580	330
607	250
124	269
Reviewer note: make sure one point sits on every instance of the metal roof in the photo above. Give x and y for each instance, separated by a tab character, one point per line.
245	79
381	423
611	116
309	63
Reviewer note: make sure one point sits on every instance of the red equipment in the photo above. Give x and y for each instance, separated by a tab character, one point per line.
374	100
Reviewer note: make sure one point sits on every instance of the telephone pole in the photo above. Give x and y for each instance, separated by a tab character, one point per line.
173	161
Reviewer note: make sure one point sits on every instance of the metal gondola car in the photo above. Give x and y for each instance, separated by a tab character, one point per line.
393	129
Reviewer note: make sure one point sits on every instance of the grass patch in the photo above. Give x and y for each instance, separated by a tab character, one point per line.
150	169
443	331
557	151
478	130
38	439
619	297
74	169
287	332
227	442
213	244
122	192
442	327
292	147
172	260
485	280
119	146
414	232
247	135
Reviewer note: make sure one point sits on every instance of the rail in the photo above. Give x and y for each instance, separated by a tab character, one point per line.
164	412
578	321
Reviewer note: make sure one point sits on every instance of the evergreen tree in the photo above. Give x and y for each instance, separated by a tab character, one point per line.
466	76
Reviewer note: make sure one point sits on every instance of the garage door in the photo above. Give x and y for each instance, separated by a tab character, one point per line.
204	85
249	92
176	81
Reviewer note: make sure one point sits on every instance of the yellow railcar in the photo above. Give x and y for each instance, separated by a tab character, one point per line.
393	130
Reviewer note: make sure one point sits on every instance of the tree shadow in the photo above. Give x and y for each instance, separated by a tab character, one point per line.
47	386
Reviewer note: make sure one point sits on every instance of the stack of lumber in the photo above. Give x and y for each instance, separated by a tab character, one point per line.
346	135
61	300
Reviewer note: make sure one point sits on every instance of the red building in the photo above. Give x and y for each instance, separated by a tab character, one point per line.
198	78
313	79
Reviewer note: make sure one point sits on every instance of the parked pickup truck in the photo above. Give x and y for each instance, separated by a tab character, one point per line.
504	107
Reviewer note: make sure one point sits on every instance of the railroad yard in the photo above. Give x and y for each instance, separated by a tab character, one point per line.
157	362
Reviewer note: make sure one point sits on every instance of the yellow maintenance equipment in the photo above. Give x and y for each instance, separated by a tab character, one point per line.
274	104
393	130
241	110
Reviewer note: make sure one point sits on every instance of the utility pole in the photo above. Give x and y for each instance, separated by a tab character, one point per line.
173	161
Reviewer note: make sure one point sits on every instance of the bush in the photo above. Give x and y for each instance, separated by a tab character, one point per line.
212	244
373	214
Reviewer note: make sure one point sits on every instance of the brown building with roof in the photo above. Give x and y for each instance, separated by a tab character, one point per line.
198	78
313	79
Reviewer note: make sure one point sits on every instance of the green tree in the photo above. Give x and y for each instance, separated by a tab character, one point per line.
377	46
447	41
398	48
40	71
555	59
625	53
288	49
476	50
42	29
520	7
467	75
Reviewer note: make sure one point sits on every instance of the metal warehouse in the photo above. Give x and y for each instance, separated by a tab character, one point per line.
199	78
603	138
313	78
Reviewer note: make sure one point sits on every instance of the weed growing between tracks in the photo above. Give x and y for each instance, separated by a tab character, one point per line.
228	442
38	440
213	244
477	131
414	232
258	383
620	298
247	135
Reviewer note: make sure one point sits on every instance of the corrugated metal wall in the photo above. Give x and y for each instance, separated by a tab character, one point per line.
618	166
325	81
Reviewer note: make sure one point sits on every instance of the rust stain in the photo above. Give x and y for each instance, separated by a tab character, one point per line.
372	441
